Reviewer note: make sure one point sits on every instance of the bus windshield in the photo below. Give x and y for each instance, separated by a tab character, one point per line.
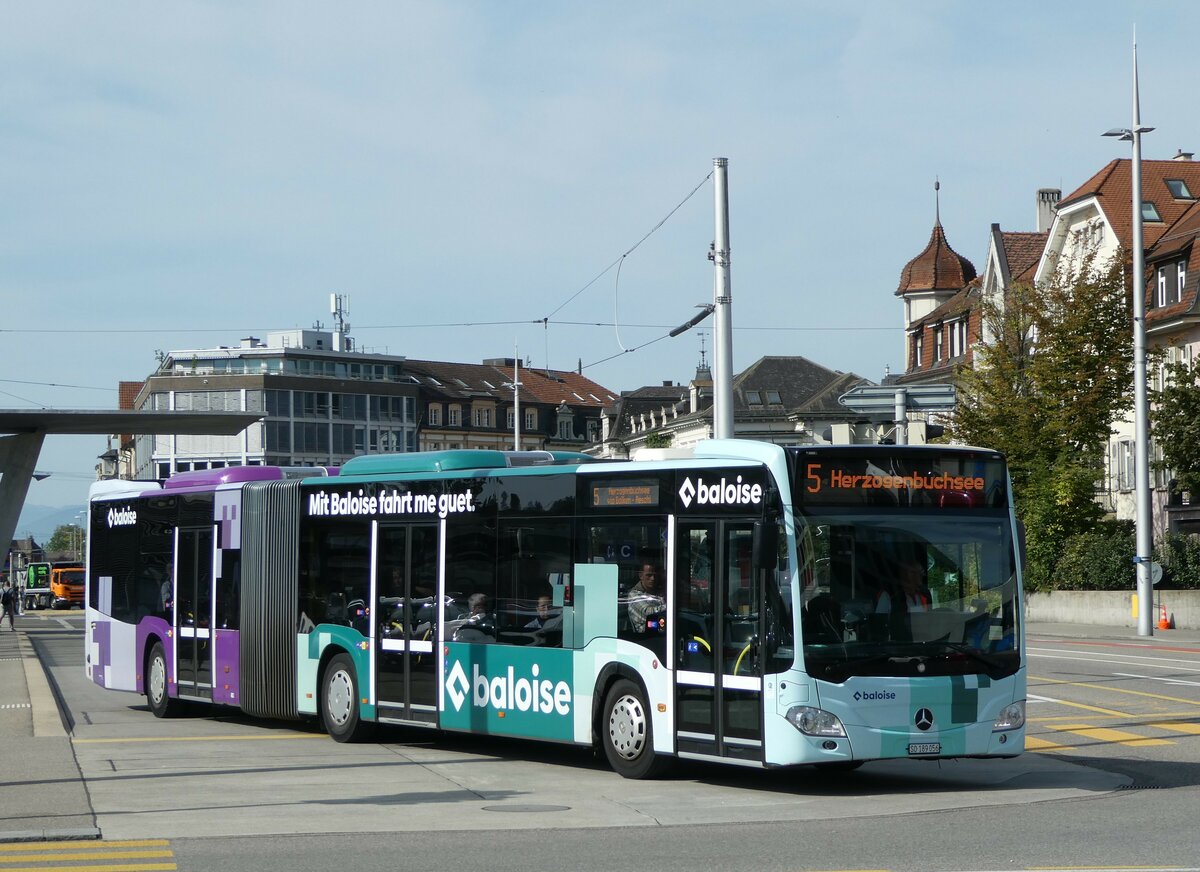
907	580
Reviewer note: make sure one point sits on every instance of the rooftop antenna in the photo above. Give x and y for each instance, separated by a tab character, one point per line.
339	307
937	202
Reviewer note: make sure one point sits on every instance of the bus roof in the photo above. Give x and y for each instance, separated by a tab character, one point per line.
456	460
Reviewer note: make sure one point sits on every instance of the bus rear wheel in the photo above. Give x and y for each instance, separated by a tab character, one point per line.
157	696
627	734
339	702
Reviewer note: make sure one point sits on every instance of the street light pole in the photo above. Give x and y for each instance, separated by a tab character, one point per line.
1143	518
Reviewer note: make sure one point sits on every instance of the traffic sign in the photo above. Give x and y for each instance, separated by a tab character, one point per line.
880	398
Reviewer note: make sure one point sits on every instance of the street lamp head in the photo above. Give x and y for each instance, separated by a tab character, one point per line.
1124	133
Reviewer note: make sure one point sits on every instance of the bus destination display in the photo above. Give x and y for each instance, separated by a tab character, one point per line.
626	494
853	481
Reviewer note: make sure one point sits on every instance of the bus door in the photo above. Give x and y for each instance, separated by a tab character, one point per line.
718	671
193	611
406	558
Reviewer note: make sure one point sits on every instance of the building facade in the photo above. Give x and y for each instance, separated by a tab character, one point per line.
323	403
785	400
1097	218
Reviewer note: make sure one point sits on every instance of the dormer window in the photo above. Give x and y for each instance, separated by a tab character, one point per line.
753	398
774	399
1150	211
1179	189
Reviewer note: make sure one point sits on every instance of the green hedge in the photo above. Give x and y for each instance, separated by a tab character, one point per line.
1101	559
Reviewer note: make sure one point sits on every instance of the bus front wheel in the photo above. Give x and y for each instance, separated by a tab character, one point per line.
339	702
157	696
627	733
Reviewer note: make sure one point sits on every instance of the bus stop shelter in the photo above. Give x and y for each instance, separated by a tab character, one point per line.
22	432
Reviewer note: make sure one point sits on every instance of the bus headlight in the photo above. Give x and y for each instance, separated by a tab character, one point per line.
1012	718
815	722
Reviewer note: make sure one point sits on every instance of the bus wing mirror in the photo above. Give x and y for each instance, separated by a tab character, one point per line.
766	544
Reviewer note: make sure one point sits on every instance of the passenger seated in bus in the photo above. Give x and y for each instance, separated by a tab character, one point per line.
480	623
547	623
646	603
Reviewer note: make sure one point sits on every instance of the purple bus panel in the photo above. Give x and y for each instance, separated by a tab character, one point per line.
102	651
147	627
210	478
225	668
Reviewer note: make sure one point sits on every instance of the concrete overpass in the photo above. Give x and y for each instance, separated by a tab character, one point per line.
26	429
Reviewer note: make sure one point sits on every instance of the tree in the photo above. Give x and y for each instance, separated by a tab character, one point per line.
1047	386
66	538
1175	412
658	440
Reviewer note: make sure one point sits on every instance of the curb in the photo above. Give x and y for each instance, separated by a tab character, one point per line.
78	835
48	718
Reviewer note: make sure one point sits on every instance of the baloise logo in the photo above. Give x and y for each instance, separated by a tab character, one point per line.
507	692
860	696
721	493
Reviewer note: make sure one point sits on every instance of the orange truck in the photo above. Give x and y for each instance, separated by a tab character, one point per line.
54	585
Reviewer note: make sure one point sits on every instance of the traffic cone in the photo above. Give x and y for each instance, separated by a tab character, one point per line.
1163	622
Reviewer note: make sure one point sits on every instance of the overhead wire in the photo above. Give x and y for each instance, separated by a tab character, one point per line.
631	249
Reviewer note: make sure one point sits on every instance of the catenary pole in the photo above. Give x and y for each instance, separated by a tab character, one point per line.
723	302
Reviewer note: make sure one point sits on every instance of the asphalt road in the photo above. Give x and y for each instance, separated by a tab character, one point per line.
1112	781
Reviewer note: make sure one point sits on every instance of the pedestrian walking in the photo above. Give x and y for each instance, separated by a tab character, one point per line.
8	599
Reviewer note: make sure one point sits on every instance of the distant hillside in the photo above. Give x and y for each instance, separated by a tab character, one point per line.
40	522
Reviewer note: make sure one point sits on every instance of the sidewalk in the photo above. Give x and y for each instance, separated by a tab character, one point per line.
42	794
1190	638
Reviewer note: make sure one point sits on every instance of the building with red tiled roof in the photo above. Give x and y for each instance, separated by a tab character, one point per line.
1097	218
927	283
466	405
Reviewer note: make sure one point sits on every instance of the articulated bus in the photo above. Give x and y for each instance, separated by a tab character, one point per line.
748	603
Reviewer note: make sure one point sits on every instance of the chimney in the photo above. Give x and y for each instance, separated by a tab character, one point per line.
1180	154
1047	205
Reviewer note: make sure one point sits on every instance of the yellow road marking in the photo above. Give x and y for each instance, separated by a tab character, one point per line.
1091	708
45	857
1033	743
199	739
1119	690
1102	734
122	867
1178	727
13	847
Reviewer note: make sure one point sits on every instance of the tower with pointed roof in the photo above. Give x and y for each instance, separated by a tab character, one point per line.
933	276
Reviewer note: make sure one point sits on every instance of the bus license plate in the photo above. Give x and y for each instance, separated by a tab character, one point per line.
925	748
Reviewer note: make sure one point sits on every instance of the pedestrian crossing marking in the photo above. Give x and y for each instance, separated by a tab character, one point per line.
1178	727
78	844
1103	734
77	853
1033	743
1123	690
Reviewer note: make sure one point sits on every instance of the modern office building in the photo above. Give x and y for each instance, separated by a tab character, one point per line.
321	403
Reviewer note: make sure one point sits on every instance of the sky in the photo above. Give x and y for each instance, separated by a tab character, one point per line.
485	179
